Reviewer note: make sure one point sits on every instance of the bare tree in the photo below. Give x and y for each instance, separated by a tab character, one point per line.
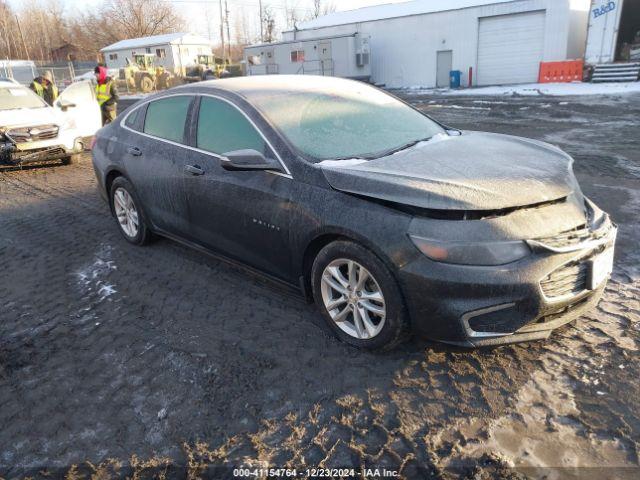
241	28
46	26
291	14
8	32
269	24
140	18
321	7
117	20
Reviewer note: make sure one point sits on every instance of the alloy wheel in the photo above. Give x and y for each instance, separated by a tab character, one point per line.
353	299
126	212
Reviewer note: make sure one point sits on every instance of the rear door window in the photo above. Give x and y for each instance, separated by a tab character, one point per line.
222	128
166	118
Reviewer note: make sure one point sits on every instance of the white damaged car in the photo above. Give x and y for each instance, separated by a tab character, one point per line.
31	131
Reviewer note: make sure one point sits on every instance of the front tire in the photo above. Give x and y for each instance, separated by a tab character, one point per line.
358	297
72	159
128	212
146	84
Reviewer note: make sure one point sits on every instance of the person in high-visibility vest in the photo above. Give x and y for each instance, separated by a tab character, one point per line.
45	88
107	95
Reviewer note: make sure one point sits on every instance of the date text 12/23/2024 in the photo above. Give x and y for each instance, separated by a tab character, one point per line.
370	473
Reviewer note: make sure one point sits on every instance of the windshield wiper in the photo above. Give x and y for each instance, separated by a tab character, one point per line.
413	143
385	153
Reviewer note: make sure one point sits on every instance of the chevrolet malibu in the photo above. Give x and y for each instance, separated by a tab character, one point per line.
390	221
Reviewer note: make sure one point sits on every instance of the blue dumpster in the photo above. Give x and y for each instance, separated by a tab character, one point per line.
455	77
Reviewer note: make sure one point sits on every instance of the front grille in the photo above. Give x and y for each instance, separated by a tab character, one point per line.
570	279
573	237
33	134
564	311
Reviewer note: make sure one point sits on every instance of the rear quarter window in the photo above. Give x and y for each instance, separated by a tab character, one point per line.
166	118
135	120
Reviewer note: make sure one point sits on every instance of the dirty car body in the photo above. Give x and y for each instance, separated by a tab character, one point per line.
488	237
31	131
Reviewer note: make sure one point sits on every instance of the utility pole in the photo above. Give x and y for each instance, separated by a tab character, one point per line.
261	25
222	34
24	44
226	9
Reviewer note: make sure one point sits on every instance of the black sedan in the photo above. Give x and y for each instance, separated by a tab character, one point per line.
390	221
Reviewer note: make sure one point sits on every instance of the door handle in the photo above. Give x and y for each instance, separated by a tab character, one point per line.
193	170
135	151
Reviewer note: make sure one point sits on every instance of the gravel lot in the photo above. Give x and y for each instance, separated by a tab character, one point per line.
121	360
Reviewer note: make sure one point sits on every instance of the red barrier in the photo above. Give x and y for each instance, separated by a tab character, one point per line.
561	72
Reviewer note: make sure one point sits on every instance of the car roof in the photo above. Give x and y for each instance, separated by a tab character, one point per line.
276	84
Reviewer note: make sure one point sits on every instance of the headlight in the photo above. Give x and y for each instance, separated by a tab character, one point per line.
481	254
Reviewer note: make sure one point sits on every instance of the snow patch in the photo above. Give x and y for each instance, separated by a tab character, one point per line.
537	89
111	72
342	163
440	137
459	107
91	277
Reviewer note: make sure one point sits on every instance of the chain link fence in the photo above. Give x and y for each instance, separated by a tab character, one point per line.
22	71
65	73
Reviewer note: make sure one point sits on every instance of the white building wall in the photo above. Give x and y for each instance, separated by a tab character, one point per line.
176	56
343	53
578	27
404	50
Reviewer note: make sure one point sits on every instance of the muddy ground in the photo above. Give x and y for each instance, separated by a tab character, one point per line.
118	360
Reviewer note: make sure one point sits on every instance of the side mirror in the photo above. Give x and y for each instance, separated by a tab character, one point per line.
247	160
65	105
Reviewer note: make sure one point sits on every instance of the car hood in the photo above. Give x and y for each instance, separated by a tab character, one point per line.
28	116
473	171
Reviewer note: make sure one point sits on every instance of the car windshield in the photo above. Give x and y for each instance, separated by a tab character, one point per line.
16	97
350	120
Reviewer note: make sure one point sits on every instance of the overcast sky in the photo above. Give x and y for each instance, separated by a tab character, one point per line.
202	16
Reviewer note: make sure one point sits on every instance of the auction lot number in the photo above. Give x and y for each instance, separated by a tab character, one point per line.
313	473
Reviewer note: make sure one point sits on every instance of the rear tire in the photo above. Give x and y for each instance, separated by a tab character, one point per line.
358	297
128	213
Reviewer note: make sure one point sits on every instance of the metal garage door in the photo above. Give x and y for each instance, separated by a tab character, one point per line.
510	48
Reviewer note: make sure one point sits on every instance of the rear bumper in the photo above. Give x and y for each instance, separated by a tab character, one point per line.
487	306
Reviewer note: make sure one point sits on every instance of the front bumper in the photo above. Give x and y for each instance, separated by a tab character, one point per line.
485	306
12	157
16	154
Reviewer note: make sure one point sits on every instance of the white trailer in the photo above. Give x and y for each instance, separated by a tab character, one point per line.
346	56
613	29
